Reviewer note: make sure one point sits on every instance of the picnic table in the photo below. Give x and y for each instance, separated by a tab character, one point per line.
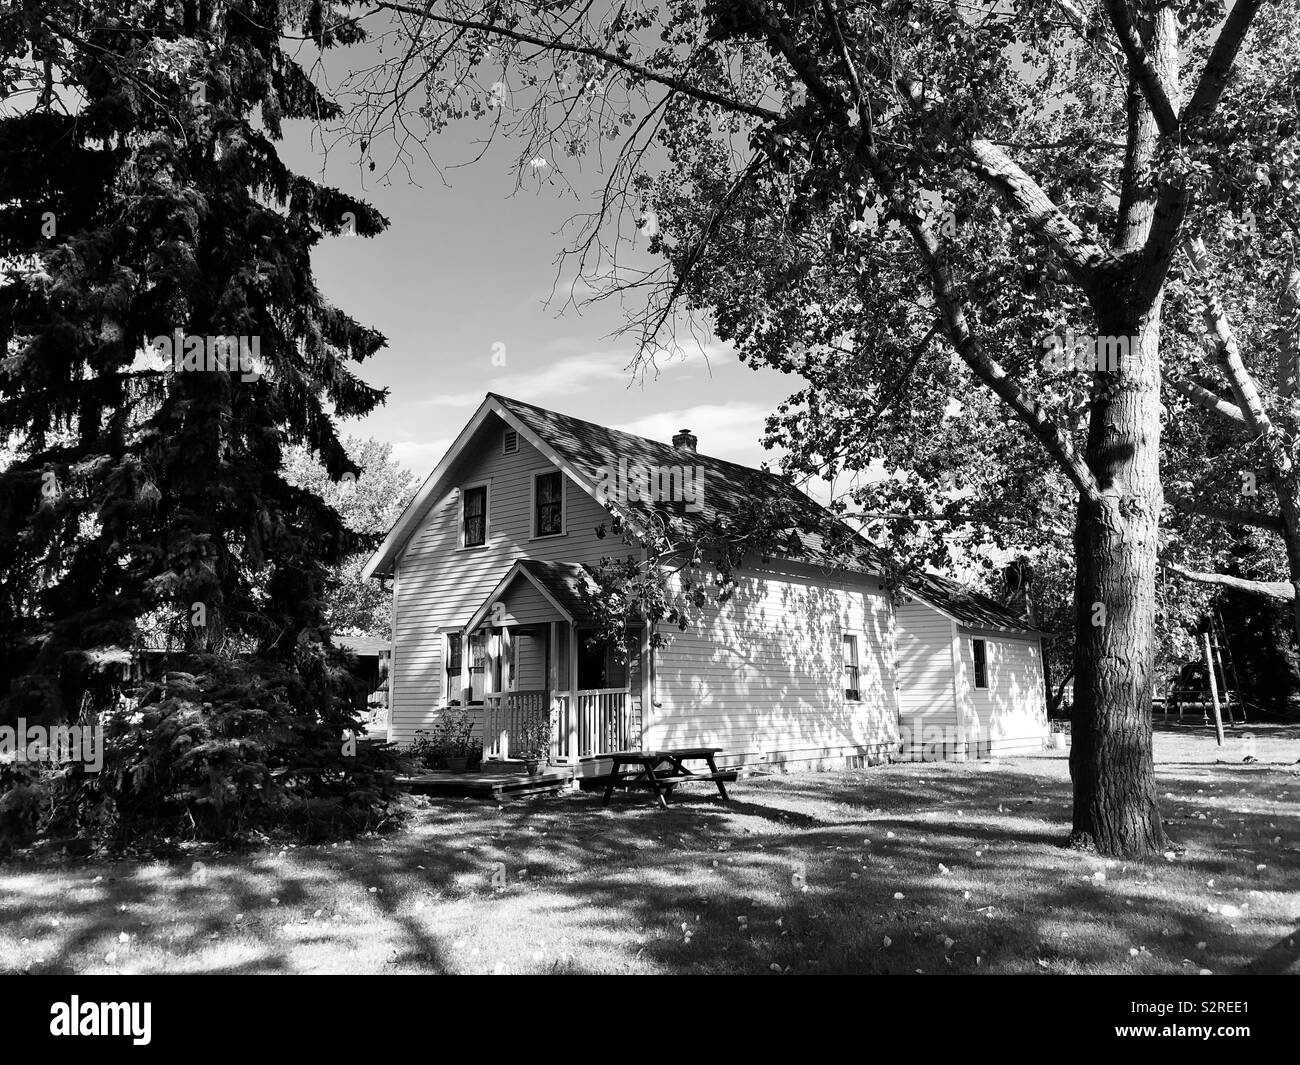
661	771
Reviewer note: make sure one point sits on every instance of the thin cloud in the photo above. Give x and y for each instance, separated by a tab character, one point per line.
729	431
420	457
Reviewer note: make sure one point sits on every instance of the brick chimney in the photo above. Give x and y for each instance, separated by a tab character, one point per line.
685	440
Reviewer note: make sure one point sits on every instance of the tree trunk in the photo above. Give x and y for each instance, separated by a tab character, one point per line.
1287	484
1116	543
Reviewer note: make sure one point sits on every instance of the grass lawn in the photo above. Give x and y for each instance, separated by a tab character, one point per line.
908	868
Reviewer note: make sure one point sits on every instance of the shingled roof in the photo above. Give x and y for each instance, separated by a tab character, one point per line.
588	447
584	449
963	605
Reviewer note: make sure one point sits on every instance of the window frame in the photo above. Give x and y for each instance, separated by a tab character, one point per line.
484	637
465	489
532	504
979	663
452	691
851	695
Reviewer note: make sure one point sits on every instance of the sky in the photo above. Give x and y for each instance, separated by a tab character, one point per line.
464	272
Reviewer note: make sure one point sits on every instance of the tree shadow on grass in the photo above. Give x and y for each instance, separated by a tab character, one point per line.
807	873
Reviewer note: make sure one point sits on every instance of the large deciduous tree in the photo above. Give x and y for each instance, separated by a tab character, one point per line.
830	182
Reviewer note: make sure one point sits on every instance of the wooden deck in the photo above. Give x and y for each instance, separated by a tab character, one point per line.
492	781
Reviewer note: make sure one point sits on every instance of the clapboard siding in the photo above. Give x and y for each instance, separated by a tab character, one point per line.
760	676
523	604
440	585
530	659
925	664
929	725
1011	714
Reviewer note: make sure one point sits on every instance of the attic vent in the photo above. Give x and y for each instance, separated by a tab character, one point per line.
510	442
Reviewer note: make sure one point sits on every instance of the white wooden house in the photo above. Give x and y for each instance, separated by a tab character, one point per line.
809	663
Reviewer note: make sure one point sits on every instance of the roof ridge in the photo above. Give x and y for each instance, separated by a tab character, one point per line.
642	439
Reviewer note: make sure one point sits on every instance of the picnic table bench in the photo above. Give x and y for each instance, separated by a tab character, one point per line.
661	771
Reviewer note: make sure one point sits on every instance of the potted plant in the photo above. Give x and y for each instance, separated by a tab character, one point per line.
452	736
535	741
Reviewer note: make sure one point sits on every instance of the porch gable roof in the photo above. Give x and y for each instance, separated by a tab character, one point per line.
560	583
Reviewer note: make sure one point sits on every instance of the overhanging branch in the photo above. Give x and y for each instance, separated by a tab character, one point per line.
1281	590
1227	515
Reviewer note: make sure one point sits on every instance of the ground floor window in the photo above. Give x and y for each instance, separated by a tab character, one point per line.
979	652
452	686
455	665
477	666
851	689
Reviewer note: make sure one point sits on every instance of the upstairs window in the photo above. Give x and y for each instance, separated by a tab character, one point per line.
851	690
979	652
548	504
509	442
474	516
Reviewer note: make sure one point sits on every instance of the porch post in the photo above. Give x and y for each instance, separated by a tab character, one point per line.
553	680
647	684
507	660
505	640
571	669
464	668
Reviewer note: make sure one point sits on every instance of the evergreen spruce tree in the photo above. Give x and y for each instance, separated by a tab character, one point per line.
142	197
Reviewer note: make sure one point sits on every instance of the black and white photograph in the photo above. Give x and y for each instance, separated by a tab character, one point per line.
762	488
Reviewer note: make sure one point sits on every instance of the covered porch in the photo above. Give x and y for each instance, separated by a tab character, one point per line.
530	650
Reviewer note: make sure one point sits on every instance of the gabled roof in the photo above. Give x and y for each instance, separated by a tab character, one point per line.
584	449
562	583
963	605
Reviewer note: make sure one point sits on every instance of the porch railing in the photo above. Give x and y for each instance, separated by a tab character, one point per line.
503	717
604	722
593	721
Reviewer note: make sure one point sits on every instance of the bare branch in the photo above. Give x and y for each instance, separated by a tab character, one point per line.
553	44
1225	340
1203	397
1282	590
994	166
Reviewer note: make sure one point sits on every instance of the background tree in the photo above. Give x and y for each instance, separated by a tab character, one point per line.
369	504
